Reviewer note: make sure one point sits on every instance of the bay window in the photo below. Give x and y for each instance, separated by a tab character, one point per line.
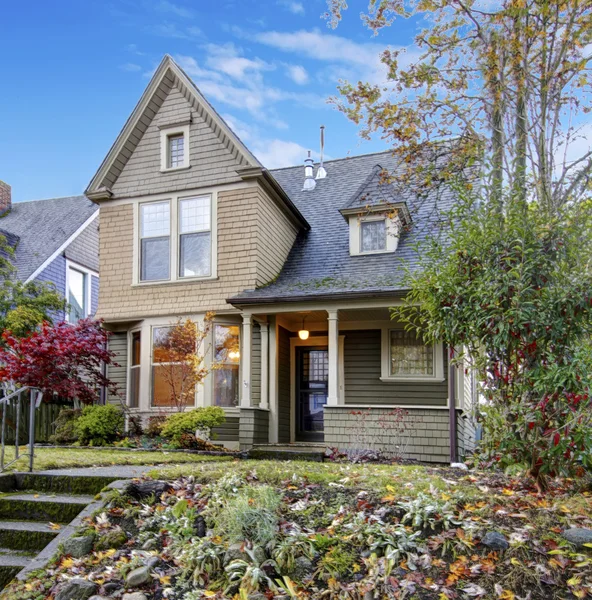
155	240
134	371
227	362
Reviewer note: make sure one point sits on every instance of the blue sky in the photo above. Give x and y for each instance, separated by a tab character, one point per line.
72	71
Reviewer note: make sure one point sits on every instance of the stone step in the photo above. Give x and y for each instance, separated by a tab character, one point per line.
10	565
58	508
26	535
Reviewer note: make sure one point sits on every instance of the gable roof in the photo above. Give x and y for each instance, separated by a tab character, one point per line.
373	191
319	264
168	75
42	228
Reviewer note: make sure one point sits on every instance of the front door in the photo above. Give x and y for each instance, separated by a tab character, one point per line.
312	375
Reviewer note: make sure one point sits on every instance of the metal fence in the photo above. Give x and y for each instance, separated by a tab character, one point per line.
18	401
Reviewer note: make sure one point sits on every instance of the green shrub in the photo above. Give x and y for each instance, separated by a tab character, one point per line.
65	432
99	425
181	423
155	425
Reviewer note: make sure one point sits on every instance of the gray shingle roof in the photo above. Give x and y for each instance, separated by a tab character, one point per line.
374	191
43	226
319	264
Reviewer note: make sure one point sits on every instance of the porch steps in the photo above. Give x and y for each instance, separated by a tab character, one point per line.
310	452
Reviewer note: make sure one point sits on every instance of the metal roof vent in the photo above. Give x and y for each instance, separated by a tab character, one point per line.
309	182
321	172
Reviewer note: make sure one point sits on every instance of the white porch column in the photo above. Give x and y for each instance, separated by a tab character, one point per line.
333	338
273	382
264	365
245	395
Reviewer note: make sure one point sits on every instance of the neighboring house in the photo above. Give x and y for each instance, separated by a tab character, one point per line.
56	241
301	283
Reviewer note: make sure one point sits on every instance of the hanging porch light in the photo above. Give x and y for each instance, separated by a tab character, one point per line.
303	333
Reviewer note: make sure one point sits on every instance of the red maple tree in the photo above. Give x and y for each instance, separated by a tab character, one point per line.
61	359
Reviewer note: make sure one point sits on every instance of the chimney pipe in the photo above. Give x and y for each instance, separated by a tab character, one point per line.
309	182
5	197
321	172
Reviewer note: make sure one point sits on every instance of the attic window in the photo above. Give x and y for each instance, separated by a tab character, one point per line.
373	236
174	148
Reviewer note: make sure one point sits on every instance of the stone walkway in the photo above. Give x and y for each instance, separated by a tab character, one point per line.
115	471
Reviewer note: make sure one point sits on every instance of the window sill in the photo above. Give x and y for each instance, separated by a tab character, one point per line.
174	169
412	379
140	284
374	252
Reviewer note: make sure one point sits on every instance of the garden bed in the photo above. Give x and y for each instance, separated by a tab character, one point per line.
267	530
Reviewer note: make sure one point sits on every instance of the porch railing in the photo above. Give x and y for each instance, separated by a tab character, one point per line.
35	397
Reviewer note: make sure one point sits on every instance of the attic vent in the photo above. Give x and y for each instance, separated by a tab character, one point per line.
321	172
309	181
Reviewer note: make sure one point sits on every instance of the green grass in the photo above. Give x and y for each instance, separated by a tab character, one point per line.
67	458
381	478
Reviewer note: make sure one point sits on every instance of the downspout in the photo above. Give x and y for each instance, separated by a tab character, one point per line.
452	406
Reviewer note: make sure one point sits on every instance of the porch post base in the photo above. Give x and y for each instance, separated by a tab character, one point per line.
253	427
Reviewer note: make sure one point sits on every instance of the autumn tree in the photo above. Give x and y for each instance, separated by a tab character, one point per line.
492	103
180	359
62	359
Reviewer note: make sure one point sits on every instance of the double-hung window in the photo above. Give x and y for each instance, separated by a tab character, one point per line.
373	236
175	151
134	386
405	356
195	237
78	292
227	361
155	241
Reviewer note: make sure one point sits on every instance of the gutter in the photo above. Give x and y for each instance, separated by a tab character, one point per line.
329	296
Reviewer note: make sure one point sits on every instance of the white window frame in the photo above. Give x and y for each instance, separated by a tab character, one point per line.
130	353
165	134
174	247
89	275
179	234
211	392
393	230
140	238
386	375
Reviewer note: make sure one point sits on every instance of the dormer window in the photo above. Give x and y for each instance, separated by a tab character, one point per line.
174	147
373	235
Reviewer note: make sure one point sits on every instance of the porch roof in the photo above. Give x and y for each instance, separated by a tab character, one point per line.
319	265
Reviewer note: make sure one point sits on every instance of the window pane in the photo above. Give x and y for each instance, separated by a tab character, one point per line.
155	219
195	255
176	150
226	386
155	261
373	235
227	359
227	348
171	344
194	214
409	355
76	295
134	399
168	385
136	343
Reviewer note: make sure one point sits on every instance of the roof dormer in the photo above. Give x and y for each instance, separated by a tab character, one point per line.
376	216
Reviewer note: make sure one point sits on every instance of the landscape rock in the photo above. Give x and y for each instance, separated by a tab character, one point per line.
495	541
152	561
76	589
578	536
150	545
303	569
134	596
236	552
460	466
112	586
138	577
79	546
98	598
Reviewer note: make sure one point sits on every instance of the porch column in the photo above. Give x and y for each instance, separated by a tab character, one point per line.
333	338
245	394
264	365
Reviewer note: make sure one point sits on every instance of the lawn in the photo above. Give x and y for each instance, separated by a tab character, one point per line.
66	458
265	530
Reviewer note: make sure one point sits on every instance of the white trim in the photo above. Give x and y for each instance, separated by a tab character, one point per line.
438	361
174	260
89	274
389	406
311	341
165	134
130	350
55	254
393	228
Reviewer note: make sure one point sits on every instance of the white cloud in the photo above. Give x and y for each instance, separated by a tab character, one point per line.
227	59
296	8
175	9
170	30
275	153
130	67
297	74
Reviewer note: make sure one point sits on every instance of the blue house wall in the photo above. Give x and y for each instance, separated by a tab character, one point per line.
55	273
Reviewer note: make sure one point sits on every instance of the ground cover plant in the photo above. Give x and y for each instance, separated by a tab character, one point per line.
249	529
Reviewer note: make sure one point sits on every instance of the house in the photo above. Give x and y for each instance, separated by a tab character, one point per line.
55	241
300	282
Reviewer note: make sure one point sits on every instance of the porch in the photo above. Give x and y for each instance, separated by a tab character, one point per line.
354	379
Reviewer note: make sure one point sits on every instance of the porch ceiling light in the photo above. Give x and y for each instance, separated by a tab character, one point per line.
303	333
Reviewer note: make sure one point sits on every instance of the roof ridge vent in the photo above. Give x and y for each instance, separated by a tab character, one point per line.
309	181
321	171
